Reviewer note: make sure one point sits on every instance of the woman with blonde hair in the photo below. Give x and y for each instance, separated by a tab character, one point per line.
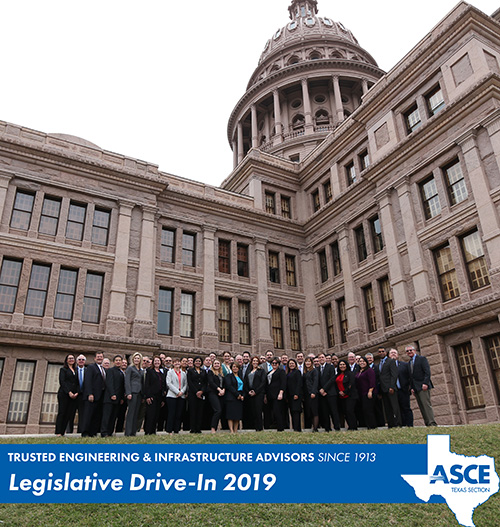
133	393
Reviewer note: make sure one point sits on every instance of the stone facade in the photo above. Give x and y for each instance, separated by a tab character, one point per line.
373	221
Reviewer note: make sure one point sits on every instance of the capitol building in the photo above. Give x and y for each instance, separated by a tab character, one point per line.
363	210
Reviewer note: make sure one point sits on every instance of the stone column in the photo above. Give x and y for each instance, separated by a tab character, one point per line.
262	309
403	313
351	304
364	86
309	129
235	153
116	321
486	208
424	304
241	150
313	342
255	131
209	334
4	185
492	125
144	296
338	98
277	118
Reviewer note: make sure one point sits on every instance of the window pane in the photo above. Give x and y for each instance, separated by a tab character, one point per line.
188	247
294	329
50	216
21	392
37	290
167	251
224	320
76	221
242	260
446	273
456	183
469	376
23	207
65	297
329	326
474	258
92	299
274	270
290	270
430	198
224	256
165	311
244	322
48	413
100	227
187	315
9	282
277	327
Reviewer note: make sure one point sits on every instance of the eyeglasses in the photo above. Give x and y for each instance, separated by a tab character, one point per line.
274	363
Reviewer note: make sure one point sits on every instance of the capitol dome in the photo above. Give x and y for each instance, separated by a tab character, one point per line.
312	74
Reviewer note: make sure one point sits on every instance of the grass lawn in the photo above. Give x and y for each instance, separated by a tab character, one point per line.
468	440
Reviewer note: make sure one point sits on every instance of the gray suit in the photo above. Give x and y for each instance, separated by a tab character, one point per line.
133	387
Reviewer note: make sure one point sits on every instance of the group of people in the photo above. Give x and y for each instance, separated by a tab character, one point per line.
265	392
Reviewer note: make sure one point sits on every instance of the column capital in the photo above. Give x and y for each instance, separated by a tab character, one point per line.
209	230
260	241
384	195
126	207
492	123
149	212
402	185
5	178
467	141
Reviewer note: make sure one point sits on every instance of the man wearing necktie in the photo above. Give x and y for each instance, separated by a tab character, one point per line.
403	385
421	384
93	390
388	376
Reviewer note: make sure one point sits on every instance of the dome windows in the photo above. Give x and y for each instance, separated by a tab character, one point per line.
298	122
315	55
320	98
277	35
292	25
322	117
293	60
297	103
310	22
327	22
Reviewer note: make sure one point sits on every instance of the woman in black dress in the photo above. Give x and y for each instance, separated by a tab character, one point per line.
197	386
234	398
348	394
275	393
255	389
154	394
311	387
294	393
67	395
215	392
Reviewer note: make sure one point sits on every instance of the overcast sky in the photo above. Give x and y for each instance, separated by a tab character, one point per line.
158	79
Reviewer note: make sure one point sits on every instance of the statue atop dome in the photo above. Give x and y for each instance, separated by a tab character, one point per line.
303	8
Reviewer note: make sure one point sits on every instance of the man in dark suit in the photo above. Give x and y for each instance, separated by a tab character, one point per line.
421	384
403	389
327	395
379	409
353	365
246	368
114	394
388	376
93	391
80	372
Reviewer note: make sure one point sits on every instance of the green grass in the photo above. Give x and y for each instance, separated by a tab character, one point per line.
468	440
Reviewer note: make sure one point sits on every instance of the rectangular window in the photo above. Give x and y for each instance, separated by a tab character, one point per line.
92	298
387	302
2	361
323	265
224	320
242	260
188	249
430	198
493	347
277	326
370	309
76	221
291	278
49	218
37	290
350	172
435	101
293	315
455	182
167	249
344	326
474	258
244	322
412	119
23	208
376	231
337	264
9	284
468	376
286	207
270	202
21	392
330	330
327	189
224	256
65	297
361	243
100	226
187	315
165	302
316	201
48	413
274	267
446	273
364	160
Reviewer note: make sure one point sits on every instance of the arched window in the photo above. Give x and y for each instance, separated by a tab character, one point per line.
298	122
315	55
293	60
322	117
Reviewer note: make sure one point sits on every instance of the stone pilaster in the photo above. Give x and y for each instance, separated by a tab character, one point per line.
4	185
309	129
277	118
209	335
263	314
338	99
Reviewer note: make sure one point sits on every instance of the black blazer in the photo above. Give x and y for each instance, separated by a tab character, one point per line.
154	384
388	376
115	385
311	381
327	380
278	382
231	386
421	373
294	384
196	381
93	383
68	381
349	383
259	382
404	376
214	382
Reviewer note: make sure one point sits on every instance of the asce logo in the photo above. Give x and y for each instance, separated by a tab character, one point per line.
473	474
